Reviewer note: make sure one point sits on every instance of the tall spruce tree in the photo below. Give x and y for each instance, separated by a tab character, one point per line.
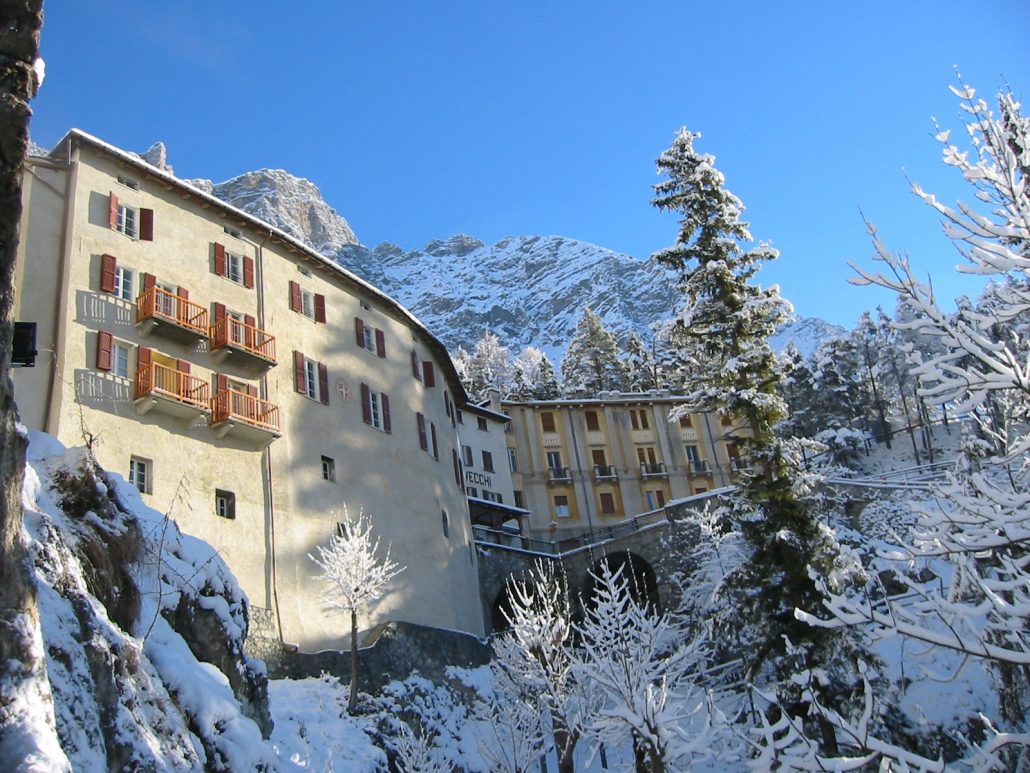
591	364
726	321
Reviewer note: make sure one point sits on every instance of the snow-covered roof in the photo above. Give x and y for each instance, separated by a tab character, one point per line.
291	243
604	398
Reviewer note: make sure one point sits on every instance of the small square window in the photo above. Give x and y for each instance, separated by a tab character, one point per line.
328	468
232	232
140	473
128	183
225	504
472	492
481	424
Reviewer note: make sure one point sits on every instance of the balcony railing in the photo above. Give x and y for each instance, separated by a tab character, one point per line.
161	381
653	470
233	333
605	472
699	467
559	474
169	313
230	405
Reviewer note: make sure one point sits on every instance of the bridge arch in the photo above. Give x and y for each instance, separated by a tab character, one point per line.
643	582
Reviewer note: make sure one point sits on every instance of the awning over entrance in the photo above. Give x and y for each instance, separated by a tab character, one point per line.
484	512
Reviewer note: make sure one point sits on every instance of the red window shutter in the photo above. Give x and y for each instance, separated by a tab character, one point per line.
359	332
323	383
319	308
366	408
248	332
108	268
219	312
252	391
143	357
248	272
220	330
300	381
149	280
414	365
428	374
183	293
249	320
182	366
295	304
380	343
146	225
423	443
105	343
221	383
112	210
219	259
384	399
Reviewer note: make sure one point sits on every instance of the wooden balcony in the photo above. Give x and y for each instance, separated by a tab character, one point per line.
247	418
169	315
171	392
241	344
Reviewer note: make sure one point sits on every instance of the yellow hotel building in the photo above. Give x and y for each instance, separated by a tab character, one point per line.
244	384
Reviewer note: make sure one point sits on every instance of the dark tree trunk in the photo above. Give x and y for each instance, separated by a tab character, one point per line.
20	22
352	702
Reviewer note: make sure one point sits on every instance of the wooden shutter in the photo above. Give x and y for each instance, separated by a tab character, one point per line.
423	442
105	343
295	303
428	374
384	404
380	343
252	391
248	272
108	269
221	383
248	332
436	448
149	280
414	366
323	383
182	366
359	332
366	408
633	419
319	308
220	259
112	210
300	381
146	225
143	357
183	293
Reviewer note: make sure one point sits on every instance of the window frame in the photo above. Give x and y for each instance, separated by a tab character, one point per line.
119	367
124	282
328	469
141	473
488	461
234	267
225	504
513	460
307	303
561	510
123	224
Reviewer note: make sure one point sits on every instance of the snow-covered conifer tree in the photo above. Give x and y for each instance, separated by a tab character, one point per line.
488	367
591	364
534	376
725	323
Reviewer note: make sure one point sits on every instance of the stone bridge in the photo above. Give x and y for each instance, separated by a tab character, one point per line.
636	543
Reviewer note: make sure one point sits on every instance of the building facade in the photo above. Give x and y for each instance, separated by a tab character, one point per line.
582	464
246	385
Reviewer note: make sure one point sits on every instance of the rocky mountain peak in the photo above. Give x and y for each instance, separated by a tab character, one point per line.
458	246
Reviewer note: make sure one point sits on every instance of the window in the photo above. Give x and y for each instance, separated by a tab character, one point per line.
310	378
473	492
432	437
607	503
423	434
140	473
726	420
547	421
561	506
328	469
655	499
481	424
416	367
369	338
638	418
232	232
685	420
446	529
124	281
554	460
303	301
375	408
234	267
693	457
593	425
128	183
597	457
225	504
120	359
461	419
466	453
513	460
488	461
126	221
520	500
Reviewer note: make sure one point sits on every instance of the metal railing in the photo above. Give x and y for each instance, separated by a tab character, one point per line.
155	302
558	474
653	470
230	404
605	472
234	332
168	382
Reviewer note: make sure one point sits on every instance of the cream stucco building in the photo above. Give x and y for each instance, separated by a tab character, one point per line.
583	464
245	384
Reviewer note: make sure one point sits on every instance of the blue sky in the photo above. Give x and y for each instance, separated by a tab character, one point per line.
419	120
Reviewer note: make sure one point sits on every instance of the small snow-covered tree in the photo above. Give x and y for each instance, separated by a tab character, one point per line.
534	376
487	367
356	576
591	364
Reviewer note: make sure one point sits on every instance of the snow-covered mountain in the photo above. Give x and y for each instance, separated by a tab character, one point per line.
525	289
